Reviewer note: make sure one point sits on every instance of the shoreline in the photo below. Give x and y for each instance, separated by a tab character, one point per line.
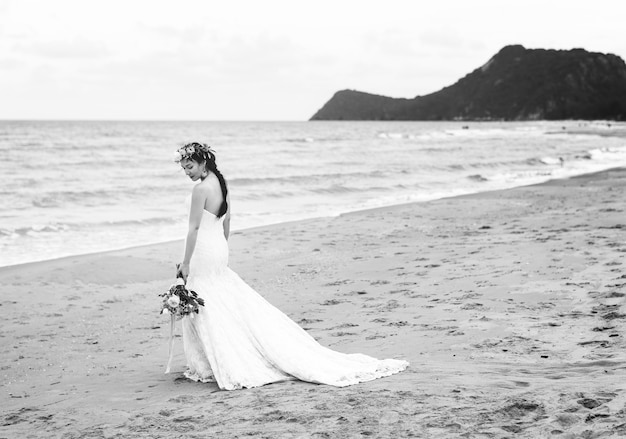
279	224
510	306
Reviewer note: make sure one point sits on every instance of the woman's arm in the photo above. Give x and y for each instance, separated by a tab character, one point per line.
198	198
227	219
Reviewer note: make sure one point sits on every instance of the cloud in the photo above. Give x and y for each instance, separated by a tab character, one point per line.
263	57
184	35
442	38
64	49
11	63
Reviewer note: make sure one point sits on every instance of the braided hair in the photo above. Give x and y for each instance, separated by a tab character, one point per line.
202	153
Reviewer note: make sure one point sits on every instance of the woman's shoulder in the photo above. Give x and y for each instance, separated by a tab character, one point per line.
208	186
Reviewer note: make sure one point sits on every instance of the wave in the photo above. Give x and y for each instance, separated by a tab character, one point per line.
477	177
69	227
96	197
464	131
597	154
456	167
59	198
343	189
146	221
538	161
268	194
300	140
594	154
388	135
337	189
35	229
299	179
604	153
594	128
334	189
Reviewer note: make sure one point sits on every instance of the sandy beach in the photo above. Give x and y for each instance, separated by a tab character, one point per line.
509	305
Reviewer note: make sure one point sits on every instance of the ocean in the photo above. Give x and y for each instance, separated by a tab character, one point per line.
75	187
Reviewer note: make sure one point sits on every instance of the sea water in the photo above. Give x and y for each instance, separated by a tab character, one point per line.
73	187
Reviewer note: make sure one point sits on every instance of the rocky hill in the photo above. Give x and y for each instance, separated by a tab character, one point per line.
516	84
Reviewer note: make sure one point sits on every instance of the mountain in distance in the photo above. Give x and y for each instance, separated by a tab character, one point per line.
515	84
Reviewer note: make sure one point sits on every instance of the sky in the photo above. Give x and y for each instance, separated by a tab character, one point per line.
264	60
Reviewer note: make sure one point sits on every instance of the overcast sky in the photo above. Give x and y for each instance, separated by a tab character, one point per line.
264	59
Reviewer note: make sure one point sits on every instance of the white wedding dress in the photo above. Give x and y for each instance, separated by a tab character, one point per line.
240	340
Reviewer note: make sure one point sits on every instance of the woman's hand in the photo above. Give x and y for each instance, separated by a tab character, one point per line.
183	269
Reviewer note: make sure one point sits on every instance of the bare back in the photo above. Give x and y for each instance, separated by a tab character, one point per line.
215	197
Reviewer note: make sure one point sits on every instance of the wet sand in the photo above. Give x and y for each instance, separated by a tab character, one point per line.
509	305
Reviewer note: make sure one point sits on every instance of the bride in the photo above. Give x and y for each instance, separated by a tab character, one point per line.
238	339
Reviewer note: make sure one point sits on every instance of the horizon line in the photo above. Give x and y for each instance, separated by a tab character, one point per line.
147	120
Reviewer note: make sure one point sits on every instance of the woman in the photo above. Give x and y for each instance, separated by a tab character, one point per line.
238	339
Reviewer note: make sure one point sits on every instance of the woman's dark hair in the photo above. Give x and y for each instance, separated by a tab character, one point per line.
203	154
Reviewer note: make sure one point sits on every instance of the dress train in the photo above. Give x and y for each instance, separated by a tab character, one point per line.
240	340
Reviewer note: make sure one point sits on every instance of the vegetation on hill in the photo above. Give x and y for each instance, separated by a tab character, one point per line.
516	84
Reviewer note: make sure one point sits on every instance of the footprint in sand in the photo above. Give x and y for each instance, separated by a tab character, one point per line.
338	282
342	334
523	413
380	282
354	293
402	291
398	324
332	302
592	403
308	321
22	415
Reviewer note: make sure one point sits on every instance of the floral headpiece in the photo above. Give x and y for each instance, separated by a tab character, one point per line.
186	151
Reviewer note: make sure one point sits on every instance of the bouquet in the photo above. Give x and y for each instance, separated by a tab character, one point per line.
179	302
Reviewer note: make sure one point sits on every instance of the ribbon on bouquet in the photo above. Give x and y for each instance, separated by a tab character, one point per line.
171	354
172	327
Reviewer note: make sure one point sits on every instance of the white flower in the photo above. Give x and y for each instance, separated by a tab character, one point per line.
177	156
165	311
180	281
173	301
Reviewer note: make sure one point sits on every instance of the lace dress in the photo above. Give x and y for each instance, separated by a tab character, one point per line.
240	340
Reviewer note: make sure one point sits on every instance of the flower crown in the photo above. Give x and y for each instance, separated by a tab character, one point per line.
186	151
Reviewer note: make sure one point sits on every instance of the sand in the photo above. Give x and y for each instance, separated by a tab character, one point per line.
509	305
